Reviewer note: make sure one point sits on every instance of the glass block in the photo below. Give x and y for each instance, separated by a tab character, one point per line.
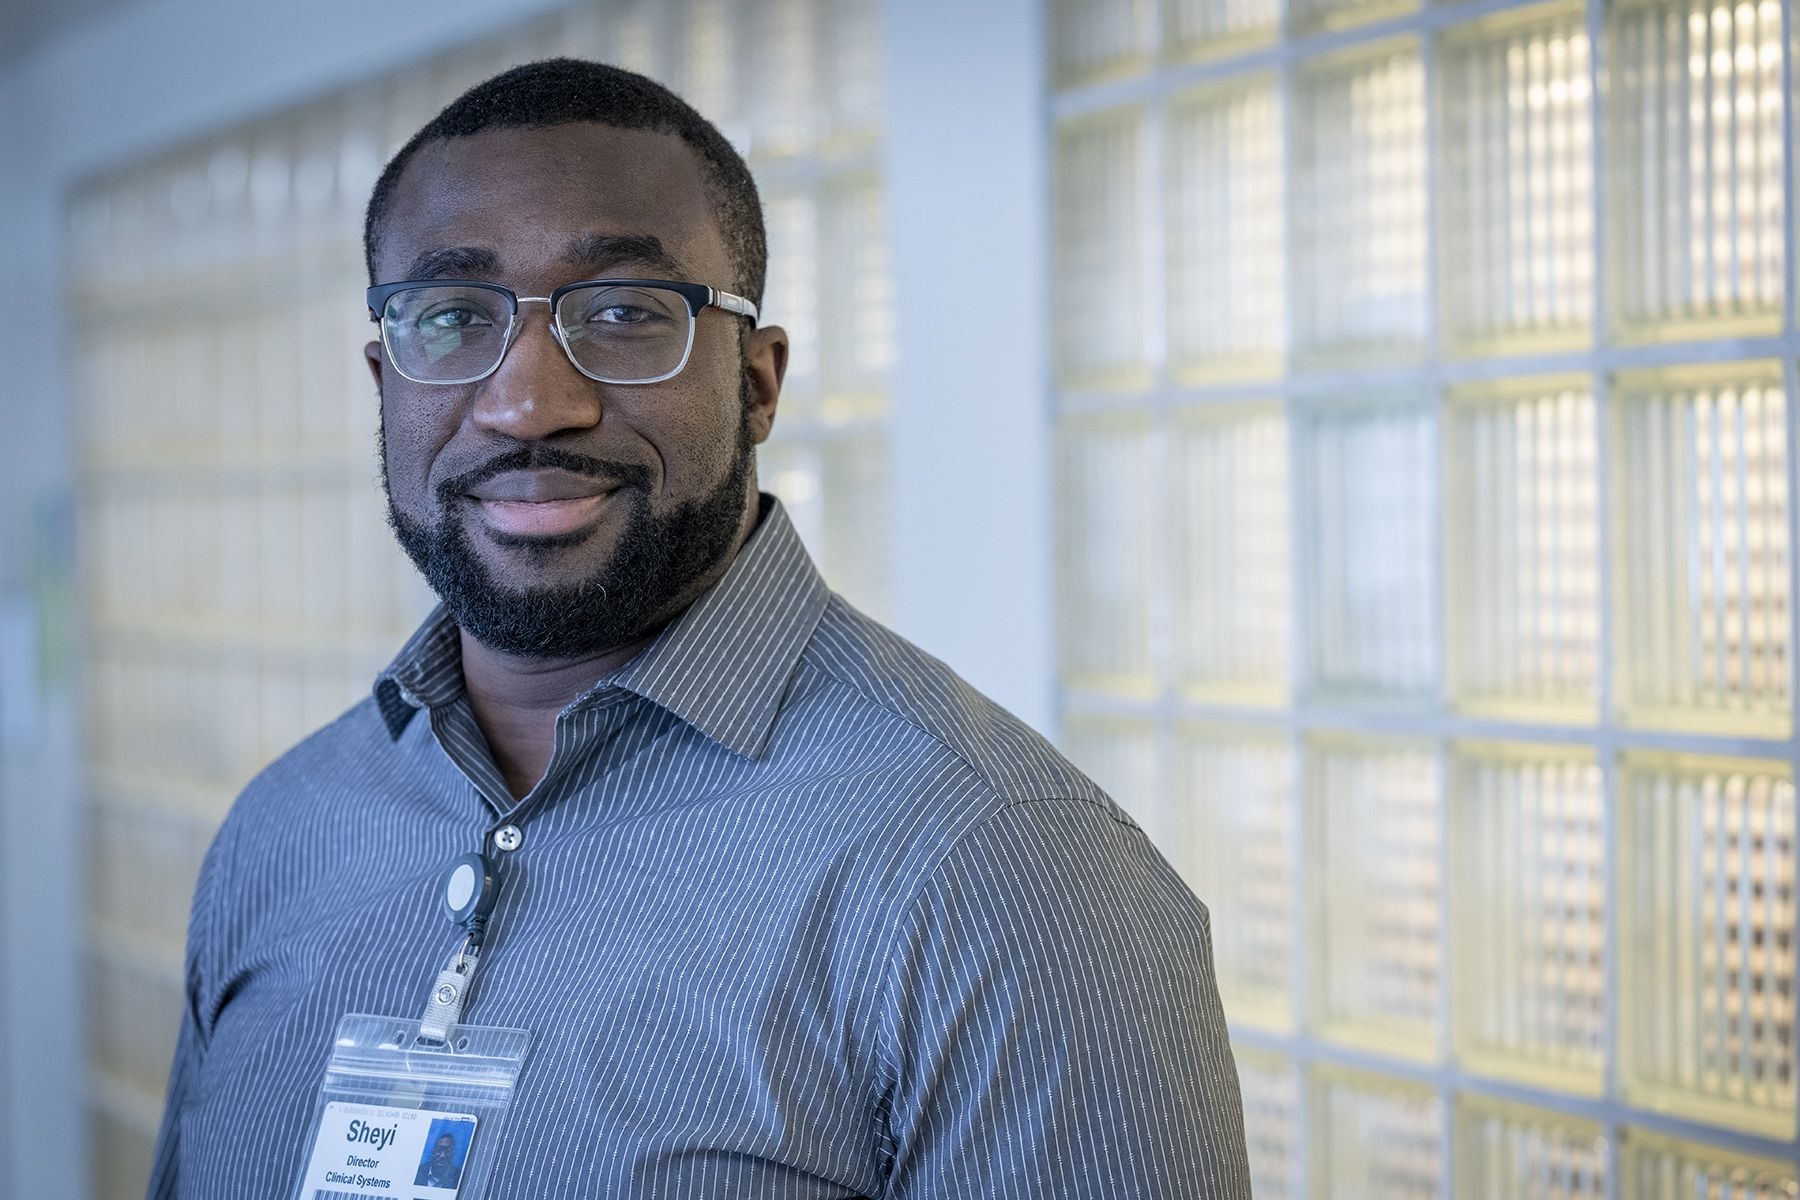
1105	505
1119	754
1522	530
791	296
638	36
1231	564
1360	206
278	533
1207	28
1694	166
792	468
1515	120
1514	1150
853	66
857	513
1373	834
1652	1167
707	44
359	160
784	88
146	861
1700	464
1375	1137
856	330
1529	893
1098	302
134	1008
1706	923
334	328
1270	1084
1230	833
274	384
1371	512
123	1156
1226	253
1097	39
1306	16
320	211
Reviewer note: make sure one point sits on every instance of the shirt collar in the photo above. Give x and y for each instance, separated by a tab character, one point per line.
722	665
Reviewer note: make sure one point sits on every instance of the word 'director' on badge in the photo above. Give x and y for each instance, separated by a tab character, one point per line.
364	1151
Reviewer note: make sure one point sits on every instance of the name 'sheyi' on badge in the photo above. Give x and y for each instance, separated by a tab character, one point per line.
363	1131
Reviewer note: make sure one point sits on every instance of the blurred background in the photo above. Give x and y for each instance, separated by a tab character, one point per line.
1357	431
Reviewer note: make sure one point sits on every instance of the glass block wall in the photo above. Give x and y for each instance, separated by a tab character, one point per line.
240	585
1424	565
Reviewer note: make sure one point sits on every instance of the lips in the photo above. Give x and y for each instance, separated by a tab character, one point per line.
540	485
546	502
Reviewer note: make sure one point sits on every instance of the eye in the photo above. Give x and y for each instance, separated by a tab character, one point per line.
621	314
453	316
618	311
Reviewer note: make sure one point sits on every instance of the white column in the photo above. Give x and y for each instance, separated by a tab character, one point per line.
967	206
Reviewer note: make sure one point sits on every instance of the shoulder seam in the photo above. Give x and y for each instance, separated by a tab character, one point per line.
809	659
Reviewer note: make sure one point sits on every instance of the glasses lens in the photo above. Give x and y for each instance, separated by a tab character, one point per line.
446	334
626	334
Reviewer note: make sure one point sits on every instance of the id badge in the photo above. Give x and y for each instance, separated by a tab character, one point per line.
405	1115
367	1150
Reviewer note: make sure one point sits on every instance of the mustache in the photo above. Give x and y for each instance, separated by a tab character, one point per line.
523	458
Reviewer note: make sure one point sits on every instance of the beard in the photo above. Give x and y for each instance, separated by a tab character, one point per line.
655	560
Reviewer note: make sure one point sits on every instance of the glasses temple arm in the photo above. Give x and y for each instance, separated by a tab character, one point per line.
732	304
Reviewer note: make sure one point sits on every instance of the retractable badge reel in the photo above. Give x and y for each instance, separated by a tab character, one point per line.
403	1099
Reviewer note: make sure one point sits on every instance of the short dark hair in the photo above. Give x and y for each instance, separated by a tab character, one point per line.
563	91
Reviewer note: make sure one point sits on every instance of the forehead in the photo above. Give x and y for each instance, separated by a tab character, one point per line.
529	195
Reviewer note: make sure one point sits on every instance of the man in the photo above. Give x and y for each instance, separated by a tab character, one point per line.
788	909
441	1169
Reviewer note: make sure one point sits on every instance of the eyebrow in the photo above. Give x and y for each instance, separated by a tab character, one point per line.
454	262
588	252
601	251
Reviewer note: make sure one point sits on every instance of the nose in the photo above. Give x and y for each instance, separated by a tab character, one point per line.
536	391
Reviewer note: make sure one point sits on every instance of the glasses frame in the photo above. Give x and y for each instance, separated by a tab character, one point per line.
698	296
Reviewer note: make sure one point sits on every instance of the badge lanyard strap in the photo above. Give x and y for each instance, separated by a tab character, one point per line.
470	890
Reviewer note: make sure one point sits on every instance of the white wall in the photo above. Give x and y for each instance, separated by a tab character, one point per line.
108	92
964	163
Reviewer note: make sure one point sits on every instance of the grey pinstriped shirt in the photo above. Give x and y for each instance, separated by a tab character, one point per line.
798	914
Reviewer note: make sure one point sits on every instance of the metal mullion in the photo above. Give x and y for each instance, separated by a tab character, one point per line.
1791	388
1791	381
1153	348
1287	51
1321	714
1605	753
1447	372
1310	1051
1435	467
1789	262
1302	607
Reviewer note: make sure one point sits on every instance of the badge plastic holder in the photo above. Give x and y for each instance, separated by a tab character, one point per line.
394	1099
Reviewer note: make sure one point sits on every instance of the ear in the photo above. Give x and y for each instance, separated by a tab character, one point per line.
765	359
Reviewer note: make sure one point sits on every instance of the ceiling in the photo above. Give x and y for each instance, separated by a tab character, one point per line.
26	26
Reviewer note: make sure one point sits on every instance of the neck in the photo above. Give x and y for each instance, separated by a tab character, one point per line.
515	700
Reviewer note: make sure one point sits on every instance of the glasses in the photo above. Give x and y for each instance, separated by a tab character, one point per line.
613	330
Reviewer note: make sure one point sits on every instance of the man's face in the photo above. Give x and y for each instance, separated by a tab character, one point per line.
554	515
443	1148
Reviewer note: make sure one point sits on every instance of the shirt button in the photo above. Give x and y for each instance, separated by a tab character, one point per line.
508	838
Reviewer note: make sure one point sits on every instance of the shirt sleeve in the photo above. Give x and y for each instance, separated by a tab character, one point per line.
1052	1022
190	1042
